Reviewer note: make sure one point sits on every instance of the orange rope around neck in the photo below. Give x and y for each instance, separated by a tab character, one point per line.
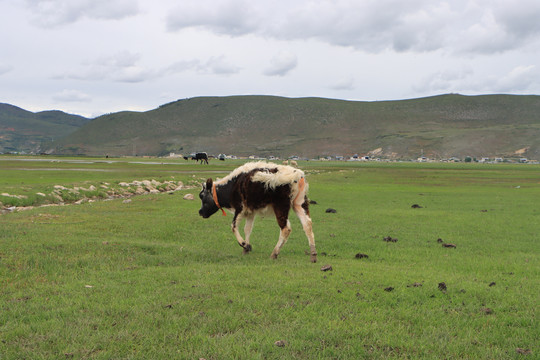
214	195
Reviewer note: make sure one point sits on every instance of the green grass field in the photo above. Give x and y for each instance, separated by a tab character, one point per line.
150	279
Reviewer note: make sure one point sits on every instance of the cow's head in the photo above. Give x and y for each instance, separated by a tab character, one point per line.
208	206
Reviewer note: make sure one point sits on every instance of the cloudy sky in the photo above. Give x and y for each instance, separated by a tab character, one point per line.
91	57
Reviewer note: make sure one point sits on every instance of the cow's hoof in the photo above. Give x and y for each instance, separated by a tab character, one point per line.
247	249
273	256
313	258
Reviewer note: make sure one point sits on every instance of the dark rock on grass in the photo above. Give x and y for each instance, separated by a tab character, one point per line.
416	206
388	289
449	245
361	256
389	239
326	268
280	343
493	283
439	240
331	211
312	202
442	286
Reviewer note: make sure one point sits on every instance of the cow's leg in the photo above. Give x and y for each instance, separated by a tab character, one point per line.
285	226
302	211
236	221
247	232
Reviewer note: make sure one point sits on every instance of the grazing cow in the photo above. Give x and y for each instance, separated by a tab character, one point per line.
200	156
258	188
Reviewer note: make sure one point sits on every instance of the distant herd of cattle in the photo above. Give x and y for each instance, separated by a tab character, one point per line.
203	157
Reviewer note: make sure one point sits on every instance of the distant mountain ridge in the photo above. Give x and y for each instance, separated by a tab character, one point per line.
438	127
25	131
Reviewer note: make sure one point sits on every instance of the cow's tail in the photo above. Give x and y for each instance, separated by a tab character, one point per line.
301	191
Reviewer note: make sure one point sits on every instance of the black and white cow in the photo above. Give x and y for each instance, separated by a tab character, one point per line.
258	188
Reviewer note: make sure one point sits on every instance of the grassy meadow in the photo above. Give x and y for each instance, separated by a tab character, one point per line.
150	279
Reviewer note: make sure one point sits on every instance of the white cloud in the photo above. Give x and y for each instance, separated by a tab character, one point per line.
281	64
120	67
220	66
519	79
447	80
343	84
52	13
71	96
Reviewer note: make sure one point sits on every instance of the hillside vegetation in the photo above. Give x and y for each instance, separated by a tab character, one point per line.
439	126
24	131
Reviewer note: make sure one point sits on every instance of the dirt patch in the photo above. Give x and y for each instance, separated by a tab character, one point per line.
487	311
446	245
523	351
361	256
390	239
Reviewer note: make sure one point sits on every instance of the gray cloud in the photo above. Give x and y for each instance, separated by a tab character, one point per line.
229	17
461	26
520	20
181	66
52	13
5	68
281	64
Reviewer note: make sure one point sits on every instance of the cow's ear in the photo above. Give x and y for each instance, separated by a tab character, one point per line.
209	184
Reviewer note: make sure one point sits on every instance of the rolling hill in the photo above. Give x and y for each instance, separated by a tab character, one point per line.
439	126
24	131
